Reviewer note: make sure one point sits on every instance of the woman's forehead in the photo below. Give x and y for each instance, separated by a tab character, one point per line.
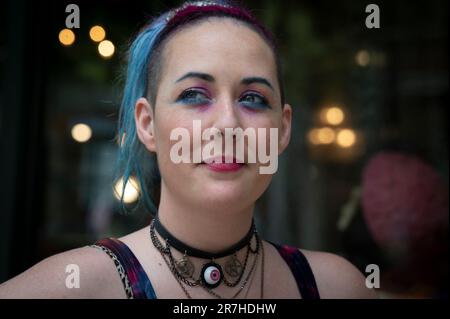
220	45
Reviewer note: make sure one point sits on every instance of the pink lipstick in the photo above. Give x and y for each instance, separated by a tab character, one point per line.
219	164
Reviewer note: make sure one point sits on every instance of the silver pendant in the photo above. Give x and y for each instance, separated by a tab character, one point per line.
185	267
233	266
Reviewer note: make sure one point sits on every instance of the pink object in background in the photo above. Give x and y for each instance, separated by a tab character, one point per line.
405	205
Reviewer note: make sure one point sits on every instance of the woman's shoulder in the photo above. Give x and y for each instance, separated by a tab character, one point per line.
83	272
336	277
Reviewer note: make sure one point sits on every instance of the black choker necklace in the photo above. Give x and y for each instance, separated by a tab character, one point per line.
194	252
211	274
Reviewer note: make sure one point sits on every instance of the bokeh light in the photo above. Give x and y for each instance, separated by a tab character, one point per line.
346	138
81	132
326	135
334	115
106	48
313	136
131	192
66	37
362	58
97	33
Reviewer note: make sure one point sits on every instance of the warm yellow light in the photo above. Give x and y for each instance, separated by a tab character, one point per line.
131	192
106	48
325	135
97	33
334	116
346	138
66	37
81	132
313	136
362	58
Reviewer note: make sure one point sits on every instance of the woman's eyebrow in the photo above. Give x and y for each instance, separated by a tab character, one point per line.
257	79
210	78
200	75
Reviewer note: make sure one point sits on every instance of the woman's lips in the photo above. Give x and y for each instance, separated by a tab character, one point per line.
221	165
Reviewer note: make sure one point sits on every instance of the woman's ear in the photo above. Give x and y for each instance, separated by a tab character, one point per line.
285	136
143	116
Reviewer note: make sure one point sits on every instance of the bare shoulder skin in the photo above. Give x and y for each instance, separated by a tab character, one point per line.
47	279
337	278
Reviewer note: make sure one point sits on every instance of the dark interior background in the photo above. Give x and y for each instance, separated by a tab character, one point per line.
391	83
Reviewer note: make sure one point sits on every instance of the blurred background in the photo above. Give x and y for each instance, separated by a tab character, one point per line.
365	175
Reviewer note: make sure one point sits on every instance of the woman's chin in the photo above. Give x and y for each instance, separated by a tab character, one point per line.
239	186
225	193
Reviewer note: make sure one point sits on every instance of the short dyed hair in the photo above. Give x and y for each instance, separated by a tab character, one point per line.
143	75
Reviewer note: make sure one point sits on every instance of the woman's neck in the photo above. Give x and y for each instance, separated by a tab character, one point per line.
211	229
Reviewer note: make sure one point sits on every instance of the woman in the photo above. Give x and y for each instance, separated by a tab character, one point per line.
210	62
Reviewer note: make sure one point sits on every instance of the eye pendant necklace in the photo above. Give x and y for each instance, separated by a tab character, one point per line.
212	274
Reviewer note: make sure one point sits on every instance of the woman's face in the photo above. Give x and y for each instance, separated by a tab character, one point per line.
227	52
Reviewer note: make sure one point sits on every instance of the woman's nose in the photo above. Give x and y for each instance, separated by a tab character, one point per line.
225	115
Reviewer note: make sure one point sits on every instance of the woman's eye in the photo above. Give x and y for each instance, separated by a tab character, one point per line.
192	96
255	100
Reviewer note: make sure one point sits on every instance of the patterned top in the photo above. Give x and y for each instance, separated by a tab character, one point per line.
138	286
